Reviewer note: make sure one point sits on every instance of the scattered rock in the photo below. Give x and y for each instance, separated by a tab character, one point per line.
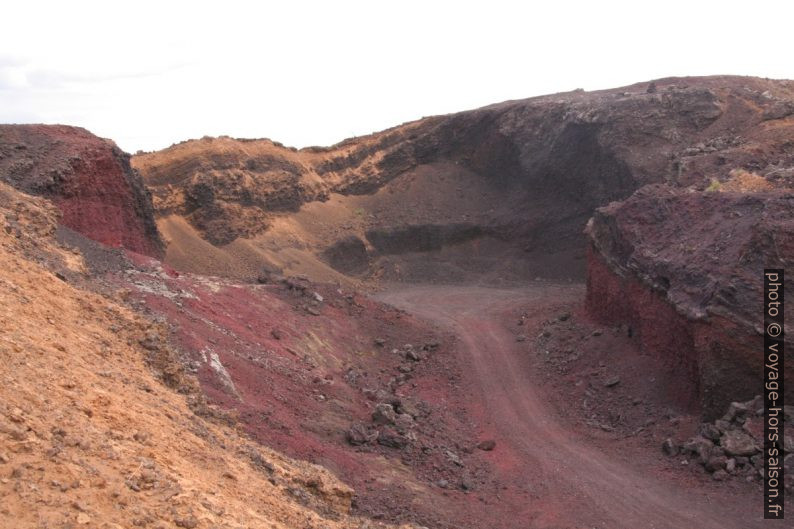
720	475
716	463
296	283
277	334
710	432
453	457
404	422
722	426
391	438
669	447
487	445
384	414
612	382
188	522
700	447
736	410
738	443
411	354
409	407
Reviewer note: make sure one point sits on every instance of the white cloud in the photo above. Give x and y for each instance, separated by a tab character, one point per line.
148	74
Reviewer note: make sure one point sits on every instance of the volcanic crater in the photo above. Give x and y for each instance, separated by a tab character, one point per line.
532	314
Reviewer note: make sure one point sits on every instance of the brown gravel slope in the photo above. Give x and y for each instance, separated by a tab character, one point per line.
91	437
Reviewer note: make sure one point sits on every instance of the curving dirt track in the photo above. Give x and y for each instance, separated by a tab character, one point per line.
574	484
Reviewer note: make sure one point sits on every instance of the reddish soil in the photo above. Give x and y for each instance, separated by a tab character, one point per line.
298	373
88	178
568	475
572	400
553	465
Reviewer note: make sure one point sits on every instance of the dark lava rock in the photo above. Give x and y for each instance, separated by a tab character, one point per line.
716	463
384	414
720	475
487	445
360	434
710	432
391	438
700	447
738	443
669	447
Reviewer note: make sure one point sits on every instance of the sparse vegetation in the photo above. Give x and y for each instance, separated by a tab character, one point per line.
714	186
744	181
740	181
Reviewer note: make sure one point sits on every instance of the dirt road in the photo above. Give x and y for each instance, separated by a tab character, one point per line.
574	484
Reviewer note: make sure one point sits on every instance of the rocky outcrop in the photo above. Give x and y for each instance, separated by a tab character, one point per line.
732	446
546	162
88	178
683	269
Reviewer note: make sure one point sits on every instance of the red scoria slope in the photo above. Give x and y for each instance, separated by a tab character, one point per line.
301	364
88	178
684	270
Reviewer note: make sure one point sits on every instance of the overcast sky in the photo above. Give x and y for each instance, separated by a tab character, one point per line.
148	74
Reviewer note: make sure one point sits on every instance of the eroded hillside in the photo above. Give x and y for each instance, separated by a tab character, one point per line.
457	197
90	436
154	394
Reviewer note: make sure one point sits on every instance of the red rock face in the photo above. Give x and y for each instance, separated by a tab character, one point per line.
88	178
683	271
654	323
